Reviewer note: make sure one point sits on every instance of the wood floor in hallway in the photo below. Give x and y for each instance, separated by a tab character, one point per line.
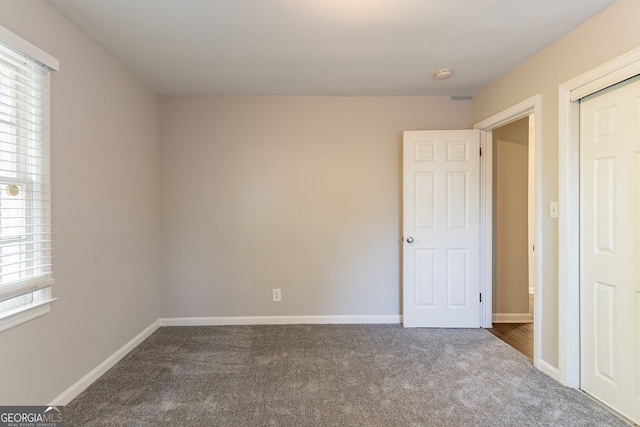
517	335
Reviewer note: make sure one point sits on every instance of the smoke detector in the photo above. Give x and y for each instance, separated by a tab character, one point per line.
443	74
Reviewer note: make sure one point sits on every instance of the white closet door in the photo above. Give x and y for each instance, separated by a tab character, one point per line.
610	246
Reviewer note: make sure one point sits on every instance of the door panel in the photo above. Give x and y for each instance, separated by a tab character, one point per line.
425	280
605	333
604	204
610	231
457	277
457	195
441	215
425	204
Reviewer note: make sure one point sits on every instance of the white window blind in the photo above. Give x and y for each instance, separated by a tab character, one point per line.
25	211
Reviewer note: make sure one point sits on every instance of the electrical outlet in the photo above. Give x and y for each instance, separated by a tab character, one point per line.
277	295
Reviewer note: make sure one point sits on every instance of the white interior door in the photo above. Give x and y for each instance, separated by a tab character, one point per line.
610	246
441	218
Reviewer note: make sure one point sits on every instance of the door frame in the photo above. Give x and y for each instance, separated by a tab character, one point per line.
569	95
528	107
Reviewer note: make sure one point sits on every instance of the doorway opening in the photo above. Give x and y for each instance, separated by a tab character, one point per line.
529	108
512	205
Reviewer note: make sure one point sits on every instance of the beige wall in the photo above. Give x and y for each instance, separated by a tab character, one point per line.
510	218
297	193
606	36
105	213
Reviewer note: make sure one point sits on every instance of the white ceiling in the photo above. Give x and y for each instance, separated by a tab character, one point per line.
324	47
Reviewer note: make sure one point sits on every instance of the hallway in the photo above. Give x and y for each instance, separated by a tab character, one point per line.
517	335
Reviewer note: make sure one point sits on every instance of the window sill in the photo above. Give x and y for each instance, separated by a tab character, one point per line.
21	315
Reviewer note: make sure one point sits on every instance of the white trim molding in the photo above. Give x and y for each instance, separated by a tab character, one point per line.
548	369
569	94
280	320
512	318
529	106
511	114
81	385
13	40
25	313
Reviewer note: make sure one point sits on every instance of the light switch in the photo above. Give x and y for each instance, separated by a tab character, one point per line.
553	209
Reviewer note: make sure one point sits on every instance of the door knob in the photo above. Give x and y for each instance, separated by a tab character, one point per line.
409	239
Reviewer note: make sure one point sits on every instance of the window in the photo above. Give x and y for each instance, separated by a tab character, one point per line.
25	214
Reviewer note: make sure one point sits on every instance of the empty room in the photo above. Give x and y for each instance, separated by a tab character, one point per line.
320	212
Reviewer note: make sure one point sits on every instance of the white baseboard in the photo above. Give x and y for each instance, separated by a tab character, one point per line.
512	318
548	369
278	320
69	394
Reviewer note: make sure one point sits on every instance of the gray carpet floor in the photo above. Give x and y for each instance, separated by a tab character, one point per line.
329	375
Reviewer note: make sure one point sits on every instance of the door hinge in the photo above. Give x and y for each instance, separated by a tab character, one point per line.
480	151
480	296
